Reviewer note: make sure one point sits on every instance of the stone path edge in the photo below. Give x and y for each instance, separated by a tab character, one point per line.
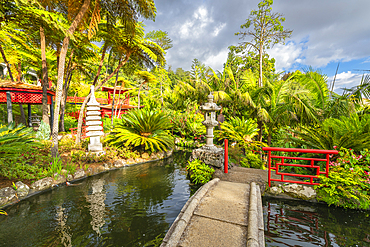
4	206
178	227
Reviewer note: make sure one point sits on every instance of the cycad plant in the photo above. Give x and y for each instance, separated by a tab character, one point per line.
15	139
143	129
241	131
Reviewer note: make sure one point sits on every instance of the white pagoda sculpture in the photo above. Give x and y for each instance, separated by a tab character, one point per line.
94	123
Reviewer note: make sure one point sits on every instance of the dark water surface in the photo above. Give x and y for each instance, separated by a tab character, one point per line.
289	223
133	206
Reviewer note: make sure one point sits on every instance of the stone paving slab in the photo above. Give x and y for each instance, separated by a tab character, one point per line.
221	217
227	202
206	232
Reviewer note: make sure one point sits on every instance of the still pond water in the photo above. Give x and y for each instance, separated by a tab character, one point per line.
290	223
135	206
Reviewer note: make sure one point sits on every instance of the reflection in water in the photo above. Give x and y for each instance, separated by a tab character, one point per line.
132	206
97	205
63	228
288	223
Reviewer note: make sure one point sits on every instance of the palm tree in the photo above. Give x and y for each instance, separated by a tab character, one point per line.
128	45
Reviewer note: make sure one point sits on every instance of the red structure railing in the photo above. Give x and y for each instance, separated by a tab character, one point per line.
279	162
83	132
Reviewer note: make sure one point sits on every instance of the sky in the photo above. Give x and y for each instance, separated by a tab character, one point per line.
325	33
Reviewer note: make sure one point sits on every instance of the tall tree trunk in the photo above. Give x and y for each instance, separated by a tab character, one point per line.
119	101
260	131
45	79
64	102
68	77
23	116
19	70
114	95
161	92
138	96
79	126
6	62
62	58
120	106
260	68
269	138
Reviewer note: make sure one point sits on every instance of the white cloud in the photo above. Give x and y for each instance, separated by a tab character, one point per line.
196	25
332	30
286	55
345	80
216	61
218	29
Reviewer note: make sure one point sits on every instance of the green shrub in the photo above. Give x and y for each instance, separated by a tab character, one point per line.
252	160
199	172
13	137
43	132
66	144
107	123
55	166
69	122
348	188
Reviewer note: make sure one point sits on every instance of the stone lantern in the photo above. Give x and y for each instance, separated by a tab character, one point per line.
93	121
209	153
210	121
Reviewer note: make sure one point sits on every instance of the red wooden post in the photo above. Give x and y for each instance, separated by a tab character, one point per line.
269	167
226	165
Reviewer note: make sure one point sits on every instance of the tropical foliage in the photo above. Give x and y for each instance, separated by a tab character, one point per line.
144	129
13	137
57	41
240	130
348	184
199	172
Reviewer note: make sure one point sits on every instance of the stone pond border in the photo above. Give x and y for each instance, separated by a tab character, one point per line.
177	228
9	196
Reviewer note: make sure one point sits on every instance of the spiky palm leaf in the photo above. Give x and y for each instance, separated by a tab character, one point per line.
320	138
239	130
143	128
15	139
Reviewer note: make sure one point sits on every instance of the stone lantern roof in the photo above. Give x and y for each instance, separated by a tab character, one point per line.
210	105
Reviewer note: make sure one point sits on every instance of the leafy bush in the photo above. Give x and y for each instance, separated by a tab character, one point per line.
27	165
188	123
12	138
107	123
349	159
347	132
251	160
66	144
69	122
43	132
241	131
143	129
55	166
199	172
348	188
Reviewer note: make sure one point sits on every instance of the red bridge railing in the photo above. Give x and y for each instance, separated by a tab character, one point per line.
276	161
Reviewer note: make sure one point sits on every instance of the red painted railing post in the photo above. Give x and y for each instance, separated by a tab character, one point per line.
269	167
226	165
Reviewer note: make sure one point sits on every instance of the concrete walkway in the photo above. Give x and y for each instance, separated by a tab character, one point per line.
221	213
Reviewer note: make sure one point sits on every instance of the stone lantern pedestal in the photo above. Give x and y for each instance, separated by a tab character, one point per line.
209	153
93	121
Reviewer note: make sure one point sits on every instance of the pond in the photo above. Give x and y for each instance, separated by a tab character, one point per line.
291	223
133	206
